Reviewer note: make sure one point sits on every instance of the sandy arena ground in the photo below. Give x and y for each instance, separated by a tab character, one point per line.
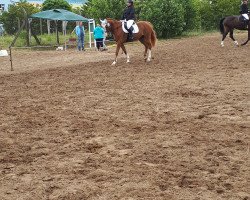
73	127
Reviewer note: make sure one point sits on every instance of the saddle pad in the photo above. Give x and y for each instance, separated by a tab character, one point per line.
135	28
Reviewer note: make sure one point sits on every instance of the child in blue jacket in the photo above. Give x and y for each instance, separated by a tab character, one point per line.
99	36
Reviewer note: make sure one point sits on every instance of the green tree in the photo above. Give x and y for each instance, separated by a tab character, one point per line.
167	16
104	9
56	4
213	10
191	14
15	15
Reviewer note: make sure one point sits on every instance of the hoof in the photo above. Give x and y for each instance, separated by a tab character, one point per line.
113	63
236	44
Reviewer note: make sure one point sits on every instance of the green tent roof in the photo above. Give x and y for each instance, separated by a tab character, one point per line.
59	14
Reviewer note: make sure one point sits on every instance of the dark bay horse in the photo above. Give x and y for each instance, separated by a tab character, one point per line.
228	24
146	36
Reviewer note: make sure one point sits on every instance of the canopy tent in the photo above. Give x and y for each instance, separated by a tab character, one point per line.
59	15
55	15
64	16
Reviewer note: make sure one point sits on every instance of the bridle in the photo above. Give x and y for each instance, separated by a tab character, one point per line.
108	25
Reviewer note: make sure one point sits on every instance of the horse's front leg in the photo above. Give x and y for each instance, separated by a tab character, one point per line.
232	37
116	53
125	51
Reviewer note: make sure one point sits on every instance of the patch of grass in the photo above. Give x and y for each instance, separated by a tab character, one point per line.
195	33
45	39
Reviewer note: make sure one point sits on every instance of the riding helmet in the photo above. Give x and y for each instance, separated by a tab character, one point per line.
130	1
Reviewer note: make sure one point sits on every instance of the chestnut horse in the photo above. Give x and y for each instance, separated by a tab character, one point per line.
146	36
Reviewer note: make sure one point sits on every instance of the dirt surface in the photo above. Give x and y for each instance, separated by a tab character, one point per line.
73	127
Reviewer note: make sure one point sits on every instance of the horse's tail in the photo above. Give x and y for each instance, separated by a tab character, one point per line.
153	38
222	25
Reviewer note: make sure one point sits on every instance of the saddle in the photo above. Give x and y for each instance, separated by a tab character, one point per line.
134	27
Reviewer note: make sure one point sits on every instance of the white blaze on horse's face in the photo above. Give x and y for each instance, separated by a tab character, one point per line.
105	23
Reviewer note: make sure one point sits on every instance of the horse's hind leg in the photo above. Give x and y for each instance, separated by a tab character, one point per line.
224	36
146	48
232	37
145	52
125	51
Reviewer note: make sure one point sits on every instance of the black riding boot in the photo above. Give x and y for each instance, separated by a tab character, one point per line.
246	23
130	34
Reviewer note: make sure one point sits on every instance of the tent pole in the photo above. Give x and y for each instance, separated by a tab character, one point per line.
57	34
89	35
65	23
48	26
41	27
93	34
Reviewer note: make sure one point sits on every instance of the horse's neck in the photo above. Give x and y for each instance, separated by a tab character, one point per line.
115	26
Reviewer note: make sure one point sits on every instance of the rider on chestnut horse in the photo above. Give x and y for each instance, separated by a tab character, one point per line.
129	17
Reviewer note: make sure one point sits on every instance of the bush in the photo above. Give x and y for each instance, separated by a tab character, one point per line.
191	14
167	16
56	4
213	11
10	19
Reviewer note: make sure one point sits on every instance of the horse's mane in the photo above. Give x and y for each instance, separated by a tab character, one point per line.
114	22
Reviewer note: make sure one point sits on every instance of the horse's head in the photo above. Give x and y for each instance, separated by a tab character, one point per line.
109	24
105	24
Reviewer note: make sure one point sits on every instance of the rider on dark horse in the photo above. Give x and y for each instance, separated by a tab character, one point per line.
244	12
129	17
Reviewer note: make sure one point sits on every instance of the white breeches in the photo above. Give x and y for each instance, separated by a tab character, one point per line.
129	23
245	16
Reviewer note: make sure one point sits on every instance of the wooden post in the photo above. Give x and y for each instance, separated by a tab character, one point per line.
11	65
13	42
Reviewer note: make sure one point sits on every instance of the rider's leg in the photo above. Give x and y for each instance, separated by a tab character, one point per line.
129	24
130	33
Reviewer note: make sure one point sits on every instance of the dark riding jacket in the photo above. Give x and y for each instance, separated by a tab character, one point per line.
129	13
244	9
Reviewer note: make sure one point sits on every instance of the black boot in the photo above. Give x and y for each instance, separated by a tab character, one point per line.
130	34
246	22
